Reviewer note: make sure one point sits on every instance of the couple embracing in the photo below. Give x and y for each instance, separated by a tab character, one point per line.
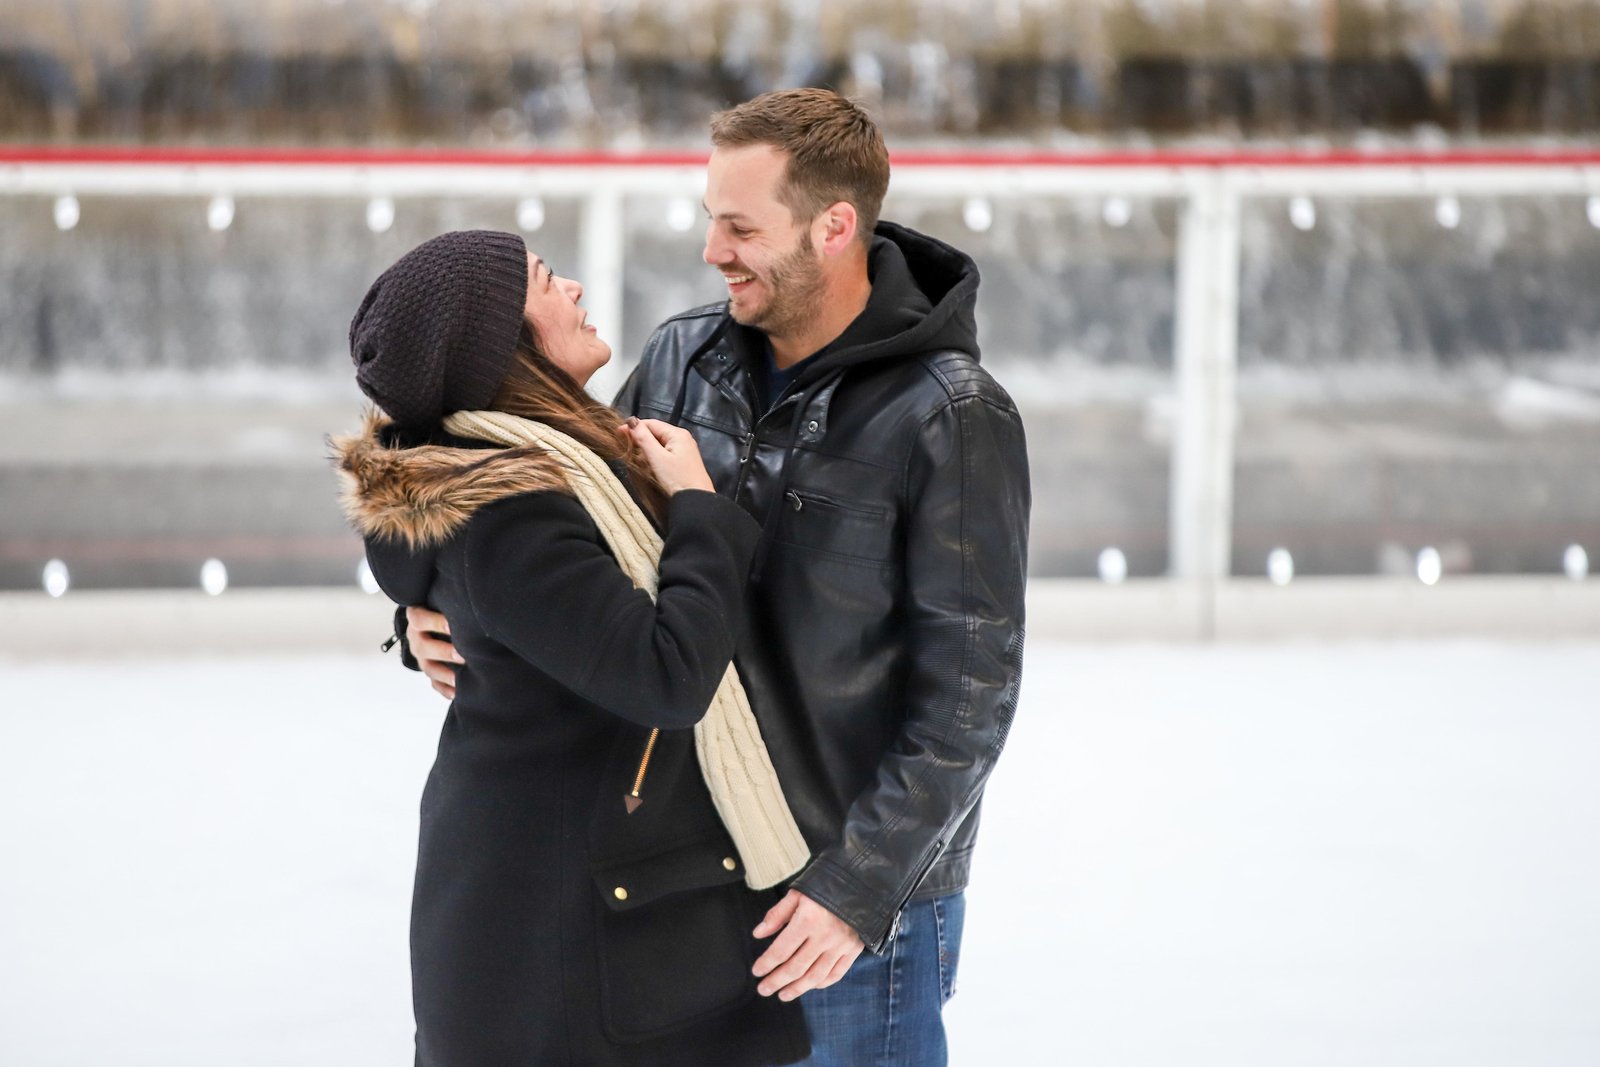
729	662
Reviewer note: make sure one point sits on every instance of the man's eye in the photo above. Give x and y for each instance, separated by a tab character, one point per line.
738	231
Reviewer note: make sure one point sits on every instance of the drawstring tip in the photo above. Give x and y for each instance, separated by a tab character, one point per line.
632	802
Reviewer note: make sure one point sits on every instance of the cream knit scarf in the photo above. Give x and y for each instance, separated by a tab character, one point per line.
733	758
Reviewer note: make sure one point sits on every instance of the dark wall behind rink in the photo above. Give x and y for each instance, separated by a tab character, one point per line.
555	72
1401	384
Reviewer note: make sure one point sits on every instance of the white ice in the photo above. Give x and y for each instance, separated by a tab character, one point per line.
1251	856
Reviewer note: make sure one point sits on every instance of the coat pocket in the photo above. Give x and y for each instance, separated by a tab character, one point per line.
674	940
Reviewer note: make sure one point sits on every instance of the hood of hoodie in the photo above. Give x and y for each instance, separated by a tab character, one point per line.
924	299
407	495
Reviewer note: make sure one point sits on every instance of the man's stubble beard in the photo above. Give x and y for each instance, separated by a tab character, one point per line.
794	288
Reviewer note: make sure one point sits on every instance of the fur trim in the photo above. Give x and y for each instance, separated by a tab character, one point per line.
423	494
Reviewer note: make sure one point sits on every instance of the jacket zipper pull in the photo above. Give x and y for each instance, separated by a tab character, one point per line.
633	799
749	448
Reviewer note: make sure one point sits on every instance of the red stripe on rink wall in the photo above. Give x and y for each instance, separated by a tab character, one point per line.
345	157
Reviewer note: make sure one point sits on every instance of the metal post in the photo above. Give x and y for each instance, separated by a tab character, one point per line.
600	253
1206	358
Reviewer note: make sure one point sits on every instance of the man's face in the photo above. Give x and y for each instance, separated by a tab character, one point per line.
767	258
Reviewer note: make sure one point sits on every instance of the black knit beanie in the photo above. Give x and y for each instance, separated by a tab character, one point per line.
437	331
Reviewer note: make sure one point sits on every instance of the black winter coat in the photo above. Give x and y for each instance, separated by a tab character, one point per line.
884	651
549	926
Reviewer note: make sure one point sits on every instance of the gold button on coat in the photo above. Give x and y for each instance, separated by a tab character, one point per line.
620	893
729	864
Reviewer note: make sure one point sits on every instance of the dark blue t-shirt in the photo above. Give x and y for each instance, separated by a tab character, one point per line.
778	380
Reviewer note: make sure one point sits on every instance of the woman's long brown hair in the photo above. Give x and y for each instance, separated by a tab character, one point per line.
537	389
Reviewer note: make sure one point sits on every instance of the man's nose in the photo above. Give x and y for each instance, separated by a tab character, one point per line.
715	251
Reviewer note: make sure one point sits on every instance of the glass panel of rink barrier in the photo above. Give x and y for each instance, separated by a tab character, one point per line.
1417	385
167	383
663	272
1075	315
142	295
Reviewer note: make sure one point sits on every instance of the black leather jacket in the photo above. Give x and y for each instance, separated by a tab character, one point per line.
884	652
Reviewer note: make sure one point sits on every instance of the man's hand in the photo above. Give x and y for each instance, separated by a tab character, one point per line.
428	637
814	950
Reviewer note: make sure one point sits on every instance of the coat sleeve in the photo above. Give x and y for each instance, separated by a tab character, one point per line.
967	502
542	583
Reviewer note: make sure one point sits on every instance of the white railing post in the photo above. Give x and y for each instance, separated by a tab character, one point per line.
1205	357
601	240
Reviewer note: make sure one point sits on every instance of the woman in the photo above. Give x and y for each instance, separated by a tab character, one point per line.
578	900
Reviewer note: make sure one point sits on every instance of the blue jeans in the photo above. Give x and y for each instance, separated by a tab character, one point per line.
886	1011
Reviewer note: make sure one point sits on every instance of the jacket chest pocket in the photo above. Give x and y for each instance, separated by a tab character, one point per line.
847	531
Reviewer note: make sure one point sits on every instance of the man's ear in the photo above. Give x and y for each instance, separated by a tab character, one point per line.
834	229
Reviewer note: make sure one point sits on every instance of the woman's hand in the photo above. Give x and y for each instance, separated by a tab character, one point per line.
673	456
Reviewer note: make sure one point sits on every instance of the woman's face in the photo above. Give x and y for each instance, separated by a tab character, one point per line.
558	323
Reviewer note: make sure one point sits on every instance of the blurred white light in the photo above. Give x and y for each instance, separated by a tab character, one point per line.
1117	211
219	213
67	212
380	214
977	214
1448	212
364	578
681	215
1593	209
1303	213
56	579
213	577
530	214
1113	566
1575	561
1430	566
1280	566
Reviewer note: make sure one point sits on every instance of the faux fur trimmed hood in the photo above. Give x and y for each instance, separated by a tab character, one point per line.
418	495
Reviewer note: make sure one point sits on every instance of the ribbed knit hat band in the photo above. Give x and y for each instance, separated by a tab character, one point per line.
437	331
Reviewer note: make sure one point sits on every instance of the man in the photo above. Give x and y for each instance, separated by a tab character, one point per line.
837	396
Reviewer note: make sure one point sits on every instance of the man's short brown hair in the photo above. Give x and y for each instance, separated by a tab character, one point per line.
835	150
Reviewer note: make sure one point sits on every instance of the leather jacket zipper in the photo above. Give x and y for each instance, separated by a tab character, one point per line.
748	451
632	800
745	452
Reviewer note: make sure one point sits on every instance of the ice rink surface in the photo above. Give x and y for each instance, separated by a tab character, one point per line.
1251	856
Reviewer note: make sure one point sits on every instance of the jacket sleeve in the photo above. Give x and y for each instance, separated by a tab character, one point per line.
967	500
541	583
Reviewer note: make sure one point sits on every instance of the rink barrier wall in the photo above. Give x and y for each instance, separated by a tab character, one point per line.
179	623
1210	187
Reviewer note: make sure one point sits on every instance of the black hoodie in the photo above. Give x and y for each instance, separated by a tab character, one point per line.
883	653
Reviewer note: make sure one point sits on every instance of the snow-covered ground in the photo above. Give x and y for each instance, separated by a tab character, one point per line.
1251	856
